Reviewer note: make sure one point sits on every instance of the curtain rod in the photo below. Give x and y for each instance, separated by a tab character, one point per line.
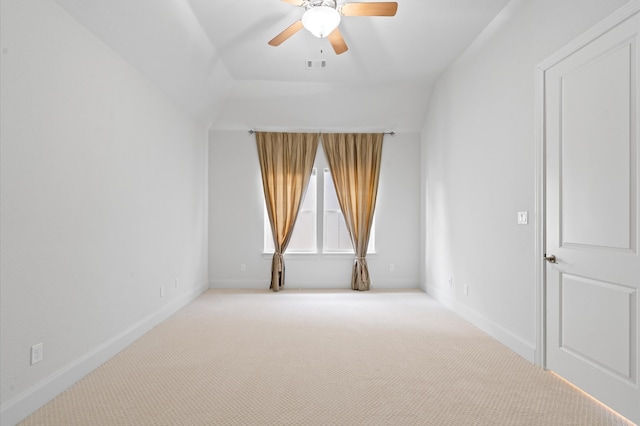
384	133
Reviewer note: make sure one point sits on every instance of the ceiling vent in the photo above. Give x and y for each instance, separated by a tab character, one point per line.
318	64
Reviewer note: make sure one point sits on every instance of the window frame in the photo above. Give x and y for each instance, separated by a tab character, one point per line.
319	222
268	245
325	236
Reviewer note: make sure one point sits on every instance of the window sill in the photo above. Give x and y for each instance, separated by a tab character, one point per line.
308	255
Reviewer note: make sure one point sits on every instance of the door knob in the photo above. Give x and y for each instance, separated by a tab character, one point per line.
550	259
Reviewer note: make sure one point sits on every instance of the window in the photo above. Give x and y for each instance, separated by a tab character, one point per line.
335	236
303	239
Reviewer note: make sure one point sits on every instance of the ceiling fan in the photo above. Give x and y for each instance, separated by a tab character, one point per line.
322	17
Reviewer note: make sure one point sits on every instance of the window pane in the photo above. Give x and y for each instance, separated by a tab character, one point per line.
330	197
345	239
336	236
303	238
309	201
331	230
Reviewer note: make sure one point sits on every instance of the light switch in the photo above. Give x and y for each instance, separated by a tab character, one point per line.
523	218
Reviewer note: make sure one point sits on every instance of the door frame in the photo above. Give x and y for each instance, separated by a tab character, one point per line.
629	9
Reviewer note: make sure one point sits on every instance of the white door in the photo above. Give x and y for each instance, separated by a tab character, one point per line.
591	172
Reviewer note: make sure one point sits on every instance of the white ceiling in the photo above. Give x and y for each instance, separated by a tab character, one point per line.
211	58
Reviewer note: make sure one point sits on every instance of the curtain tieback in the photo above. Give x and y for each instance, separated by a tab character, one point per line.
278	260
361	264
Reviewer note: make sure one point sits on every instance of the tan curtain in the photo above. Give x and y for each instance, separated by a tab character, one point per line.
354	161
286	161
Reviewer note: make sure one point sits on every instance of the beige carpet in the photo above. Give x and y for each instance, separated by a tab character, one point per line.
319	358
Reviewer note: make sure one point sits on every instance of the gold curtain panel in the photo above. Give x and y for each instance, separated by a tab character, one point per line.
286	161
354	161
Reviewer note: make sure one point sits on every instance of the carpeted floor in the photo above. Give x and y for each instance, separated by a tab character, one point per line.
319	358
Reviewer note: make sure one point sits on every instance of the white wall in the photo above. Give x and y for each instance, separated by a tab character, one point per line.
479	167
236	221
103	201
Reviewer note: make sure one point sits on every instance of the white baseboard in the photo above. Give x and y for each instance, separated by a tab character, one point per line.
240	284
24	404
311	285
502	335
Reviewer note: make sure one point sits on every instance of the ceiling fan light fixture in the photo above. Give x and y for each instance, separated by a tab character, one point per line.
321	20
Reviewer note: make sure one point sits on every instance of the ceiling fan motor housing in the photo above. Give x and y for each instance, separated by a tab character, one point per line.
310	4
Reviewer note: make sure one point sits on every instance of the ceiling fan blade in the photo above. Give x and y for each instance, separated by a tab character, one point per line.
284	35
294	2
369	9
337	42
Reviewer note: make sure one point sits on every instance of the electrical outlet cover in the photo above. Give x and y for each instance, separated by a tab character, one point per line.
523	218
36	353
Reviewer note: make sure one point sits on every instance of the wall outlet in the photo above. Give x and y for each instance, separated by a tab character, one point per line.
450	282
161	291
392	267
466	289
177	282
243	267
523	218
36	353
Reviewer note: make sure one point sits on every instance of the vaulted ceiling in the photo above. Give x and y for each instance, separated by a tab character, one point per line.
212	59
